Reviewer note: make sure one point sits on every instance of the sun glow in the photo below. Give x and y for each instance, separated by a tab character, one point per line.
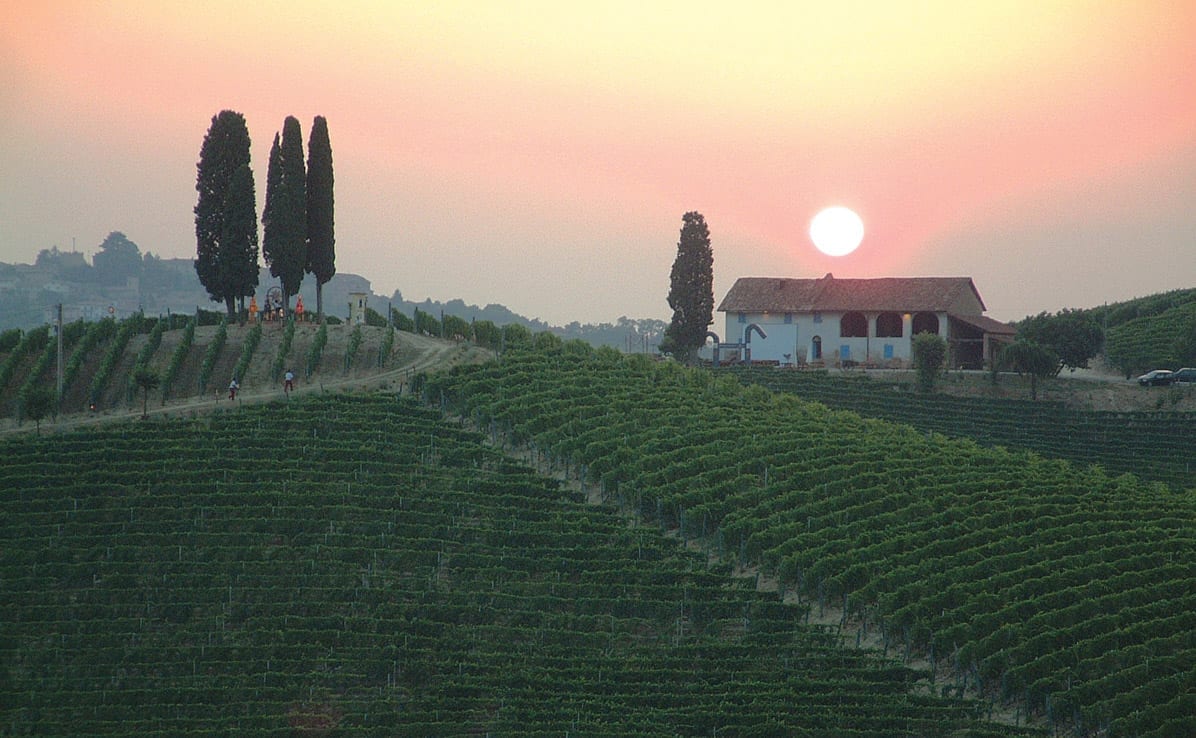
836	231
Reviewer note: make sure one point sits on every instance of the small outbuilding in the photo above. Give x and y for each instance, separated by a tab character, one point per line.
868	322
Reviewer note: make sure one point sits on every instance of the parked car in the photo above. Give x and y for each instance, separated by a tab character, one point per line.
1187	374
1156	378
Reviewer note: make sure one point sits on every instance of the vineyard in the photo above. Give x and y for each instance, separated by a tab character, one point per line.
352	565
194	357
1152	445
1032	583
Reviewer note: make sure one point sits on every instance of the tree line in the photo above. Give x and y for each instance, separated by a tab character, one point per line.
298	233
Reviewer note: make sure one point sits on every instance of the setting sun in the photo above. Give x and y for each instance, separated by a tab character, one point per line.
836	231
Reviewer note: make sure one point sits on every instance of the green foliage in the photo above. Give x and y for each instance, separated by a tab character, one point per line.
209	317
33	340
284	218
316	350
1117	313
516	336
374	318
1185	343
487	334
402	321
388	346
1152	445
321	231
147	379
426	324
153	341
37	402
1045	582
96	332
117	260
225	152
353	346
284	351
691	290
40	368
211	354
1074	336
9	339
1155	341
456	328
178	357
929	354
116	350
547	341
1028	358
389	574
238	267
252	339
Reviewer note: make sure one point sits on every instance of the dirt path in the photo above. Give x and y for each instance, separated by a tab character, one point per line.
413	354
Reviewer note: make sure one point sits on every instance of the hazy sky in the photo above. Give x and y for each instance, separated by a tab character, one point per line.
541	154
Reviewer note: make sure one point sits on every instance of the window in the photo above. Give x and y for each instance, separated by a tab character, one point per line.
788	318
817	317
888	325
853	325
742	317
816	348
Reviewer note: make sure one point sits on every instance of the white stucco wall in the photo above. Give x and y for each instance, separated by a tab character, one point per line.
796	338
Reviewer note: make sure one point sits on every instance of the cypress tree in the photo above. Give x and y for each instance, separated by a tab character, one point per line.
321	238
691	290
238	239
284	217
224	151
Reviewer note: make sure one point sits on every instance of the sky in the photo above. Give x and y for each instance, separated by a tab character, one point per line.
540	155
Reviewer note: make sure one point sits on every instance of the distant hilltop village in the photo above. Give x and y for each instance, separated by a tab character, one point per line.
120	282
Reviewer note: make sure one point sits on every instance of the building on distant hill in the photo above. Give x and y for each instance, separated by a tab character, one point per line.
871	322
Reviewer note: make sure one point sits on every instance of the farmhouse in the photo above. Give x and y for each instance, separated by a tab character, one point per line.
837	322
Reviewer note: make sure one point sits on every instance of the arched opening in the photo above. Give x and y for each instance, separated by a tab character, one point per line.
888	325
816	349
926	323
853	325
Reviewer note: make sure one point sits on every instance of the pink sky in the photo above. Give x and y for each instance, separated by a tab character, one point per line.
541	157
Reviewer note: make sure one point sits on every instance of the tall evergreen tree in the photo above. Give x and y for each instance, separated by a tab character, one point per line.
284	218
321	238
691	290
238	239
225	149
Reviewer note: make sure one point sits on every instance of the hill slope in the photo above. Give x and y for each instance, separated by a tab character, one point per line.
1031	581
369	365
351	565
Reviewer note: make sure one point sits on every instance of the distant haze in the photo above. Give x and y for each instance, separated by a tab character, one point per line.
541	154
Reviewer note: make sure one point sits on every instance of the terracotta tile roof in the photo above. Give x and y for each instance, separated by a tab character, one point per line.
988	325
897	294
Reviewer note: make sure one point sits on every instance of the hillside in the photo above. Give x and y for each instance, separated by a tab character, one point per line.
1029	582
369	366
352	565
1153	440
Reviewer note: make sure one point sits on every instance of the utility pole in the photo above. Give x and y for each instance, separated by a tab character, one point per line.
59	396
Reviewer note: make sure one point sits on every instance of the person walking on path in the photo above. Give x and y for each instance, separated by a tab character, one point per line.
232	389
288	381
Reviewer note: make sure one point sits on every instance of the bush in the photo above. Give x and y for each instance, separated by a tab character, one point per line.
401	321
374	318
930	351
